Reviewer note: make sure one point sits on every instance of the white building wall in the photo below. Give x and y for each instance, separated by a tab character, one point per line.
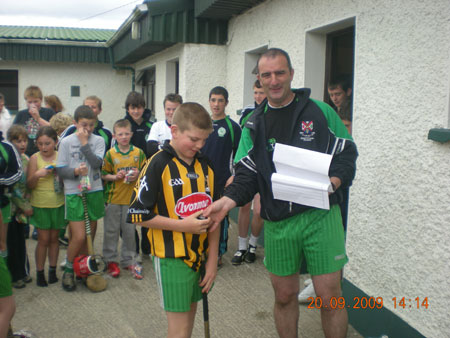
201	68
109	85
398	237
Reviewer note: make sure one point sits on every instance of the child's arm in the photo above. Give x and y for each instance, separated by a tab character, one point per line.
211	263
34	174
19	199
13	171
191	224
63	161
93	157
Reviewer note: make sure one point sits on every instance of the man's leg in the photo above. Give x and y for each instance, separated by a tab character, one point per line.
334	321
286	310
181	324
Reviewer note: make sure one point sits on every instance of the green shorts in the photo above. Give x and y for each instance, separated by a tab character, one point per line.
6	213
95	206
177	284
48	218
316	234
5	279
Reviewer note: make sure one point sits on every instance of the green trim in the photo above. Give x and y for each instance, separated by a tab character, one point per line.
441	135
375	322
116	146
334	121
103	134
230	126
4	153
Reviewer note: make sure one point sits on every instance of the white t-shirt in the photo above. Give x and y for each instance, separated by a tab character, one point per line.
160	132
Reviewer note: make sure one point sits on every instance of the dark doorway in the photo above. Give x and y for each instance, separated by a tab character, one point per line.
340	55
9	87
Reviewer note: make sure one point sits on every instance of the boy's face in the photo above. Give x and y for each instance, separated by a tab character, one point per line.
123	135
20	144
258	95
187	143
2	104
169	109
33	102
86	124
338	96
217	103
136	112
94	106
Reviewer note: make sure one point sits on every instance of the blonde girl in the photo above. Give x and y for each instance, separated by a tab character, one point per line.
47	199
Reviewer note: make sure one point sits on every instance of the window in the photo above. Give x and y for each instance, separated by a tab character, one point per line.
9	87
250	71
173	77
147	81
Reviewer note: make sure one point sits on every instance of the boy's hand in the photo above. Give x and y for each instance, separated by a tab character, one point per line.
34	112
83	136
83	169
135	175
210	275
28	212
120	175
194	225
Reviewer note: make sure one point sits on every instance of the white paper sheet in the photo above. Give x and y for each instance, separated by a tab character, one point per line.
302	176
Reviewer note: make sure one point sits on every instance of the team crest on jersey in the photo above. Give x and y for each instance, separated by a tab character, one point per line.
116	161
136	158
192	203
307	133
221	131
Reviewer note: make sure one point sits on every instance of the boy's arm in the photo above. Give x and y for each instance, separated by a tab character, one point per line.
108	172
191	224
13	171
63	161
211	262
94	156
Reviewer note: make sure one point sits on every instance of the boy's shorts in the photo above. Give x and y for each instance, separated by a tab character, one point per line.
95	206
48	218
5	280
6	213
316	234
177	284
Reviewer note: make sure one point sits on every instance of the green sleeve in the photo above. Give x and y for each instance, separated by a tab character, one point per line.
334	121
108	166
245	144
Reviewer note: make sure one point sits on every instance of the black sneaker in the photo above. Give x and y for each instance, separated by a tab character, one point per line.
68	282
238	257
250	257
64	241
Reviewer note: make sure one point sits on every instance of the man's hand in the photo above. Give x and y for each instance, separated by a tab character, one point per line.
218	210
83	136
194	225
335	183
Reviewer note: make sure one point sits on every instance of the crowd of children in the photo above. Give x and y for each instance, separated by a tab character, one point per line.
54	159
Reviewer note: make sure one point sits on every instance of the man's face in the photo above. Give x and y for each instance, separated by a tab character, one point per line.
275	78
217	103
169	109
94	106
258	95
86	124
34	102
338	96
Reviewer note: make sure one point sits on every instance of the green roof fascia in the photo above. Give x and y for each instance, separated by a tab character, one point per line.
52	53
222	9
166	23
441	135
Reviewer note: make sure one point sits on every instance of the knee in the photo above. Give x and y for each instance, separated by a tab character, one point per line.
285	296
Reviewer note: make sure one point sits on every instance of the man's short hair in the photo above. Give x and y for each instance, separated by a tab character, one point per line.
219	91
33	92
122	123
172	97
96	99
60	122
135	99
191	114
272	53
257	84
84	112
340	81
16	131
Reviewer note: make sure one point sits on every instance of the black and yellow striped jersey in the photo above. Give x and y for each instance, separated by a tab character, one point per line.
169	187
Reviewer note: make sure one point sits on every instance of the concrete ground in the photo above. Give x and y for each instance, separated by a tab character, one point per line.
240	305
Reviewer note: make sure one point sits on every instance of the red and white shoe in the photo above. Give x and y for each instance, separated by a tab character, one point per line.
113	269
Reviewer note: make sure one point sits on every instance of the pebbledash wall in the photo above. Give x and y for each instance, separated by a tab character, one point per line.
109	85
399	221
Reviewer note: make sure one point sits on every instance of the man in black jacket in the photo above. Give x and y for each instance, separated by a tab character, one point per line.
292	230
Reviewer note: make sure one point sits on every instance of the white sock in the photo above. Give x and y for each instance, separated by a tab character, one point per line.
253	240
242	243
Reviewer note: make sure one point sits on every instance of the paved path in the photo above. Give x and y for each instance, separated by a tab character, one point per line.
240	305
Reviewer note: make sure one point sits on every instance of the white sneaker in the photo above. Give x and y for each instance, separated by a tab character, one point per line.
63	263
306	293
307	282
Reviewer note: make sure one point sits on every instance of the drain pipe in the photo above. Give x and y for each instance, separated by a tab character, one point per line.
113	65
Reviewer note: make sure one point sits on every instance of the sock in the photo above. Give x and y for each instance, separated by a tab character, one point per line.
52	275
40	280
242	243
253	240
69	267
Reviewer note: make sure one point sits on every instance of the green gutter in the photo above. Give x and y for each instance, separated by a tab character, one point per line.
113	65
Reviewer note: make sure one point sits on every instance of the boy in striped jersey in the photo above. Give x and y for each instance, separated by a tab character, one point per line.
174	187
